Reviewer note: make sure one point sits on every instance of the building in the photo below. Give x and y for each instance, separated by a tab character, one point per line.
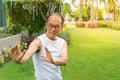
2	13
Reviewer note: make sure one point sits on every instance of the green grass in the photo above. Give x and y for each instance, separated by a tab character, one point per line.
93	55
13	71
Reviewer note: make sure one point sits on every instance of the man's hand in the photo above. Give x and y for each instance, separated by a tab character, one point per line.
48	56
17	54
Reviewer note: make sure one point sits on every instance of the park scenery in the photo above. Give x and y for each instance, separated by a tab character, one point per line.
91	29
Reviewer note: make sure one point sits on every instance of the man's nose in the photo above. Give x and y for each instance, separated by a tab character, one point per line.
53	28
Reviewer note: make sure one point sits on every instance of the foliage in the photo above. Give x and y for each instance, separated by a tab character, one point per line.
1	60
93	24
15	29
22	45
66	9
66	36
103	24
114	25
24	14
18	15
35	34
75	14
108	24
86	13
6	52
80	24
100	13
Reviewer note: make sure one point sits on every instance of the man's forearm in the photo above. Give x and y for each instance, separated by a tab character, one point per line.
60	62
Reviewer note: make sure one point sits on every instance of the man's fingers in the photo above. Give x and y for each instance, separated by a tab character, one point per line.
24	51
12	51
15	50
47	51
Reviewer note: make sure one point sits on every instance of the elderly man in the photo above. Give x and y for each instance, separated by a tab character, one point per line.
52	51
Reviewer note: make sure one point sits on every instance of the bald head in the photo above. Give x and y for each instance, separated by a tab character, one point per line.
57	15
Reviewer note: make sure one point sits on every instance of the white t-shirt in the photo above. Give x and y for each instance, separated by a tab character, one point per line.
43	69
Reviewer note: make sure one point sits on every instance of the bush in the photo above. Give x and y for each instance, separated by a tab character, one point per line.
17	29
6	54
66	36
1	60
114	25
104	25
20	13
14	29
92	24
80	24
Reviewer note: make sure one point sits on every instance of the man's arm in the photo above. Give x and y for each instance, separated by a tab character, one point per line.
22	57
62	61
32	49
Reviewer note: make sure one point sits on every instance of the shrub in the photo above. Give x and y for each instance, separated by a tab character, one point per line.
1	60
80	24
92	25
6	54
104	25
17	29
14	29
114	25
66	36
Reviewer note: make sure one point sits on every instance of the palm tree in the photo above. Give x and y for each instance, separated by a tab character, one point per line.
105	5
97	10
117	3
92	11
81	6
111	7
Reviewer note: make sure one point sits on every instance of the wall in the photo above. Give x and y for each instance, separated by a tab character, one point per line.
9	41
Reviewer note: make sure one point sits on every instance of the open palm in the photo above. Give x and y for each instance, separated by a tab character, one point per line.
48	56
16	53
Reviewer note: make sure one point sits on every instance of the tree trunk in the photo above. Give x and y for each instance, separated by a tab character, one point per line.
80	14
92	11
114	10
97	10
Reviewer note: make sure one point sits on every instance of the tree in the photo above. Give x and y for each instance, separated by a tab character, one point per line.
32	5
66	9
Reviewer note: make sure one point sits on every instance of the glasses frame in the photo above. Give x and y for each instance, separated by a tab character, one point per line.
56	27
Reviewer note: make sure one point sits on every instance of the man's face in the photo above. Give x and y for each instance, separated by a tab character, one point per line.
54	25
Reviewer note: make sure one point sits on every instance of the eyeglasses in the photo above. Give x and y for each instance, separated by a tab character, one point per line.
56	27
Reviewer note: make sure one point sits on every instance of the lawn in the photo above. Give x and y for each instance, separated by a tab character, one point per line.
94	54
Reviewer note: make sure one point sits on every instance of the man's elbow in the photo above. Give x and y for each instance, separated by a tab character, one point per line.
65	62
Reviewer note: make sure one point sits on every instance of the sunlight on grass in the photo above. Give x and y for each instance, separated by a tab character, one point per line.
93	55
